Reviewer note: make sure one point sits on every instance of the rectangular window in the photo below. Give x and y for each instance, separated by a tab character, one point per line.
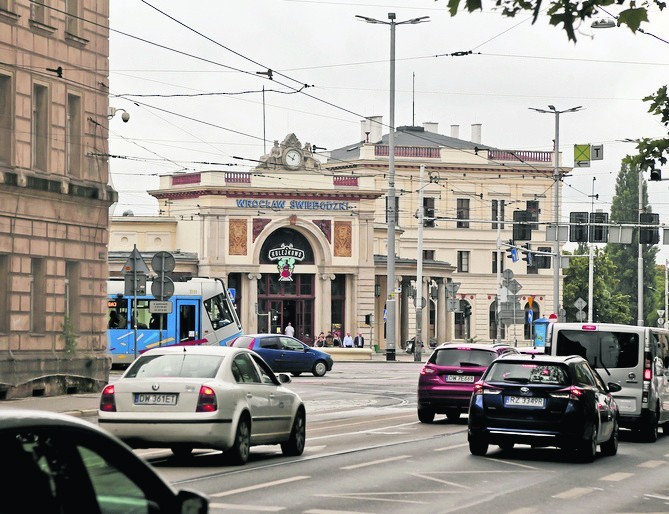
495	204
497	259
543	261
4	5
73	136
428	255
4	294
532	206
5	119
40	127
38	11
37	296
463	262
72	18
463	212
73	295
428	212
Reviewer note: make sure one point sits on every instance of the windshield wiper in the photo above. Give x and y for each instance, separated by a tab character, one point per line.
520	380
603	366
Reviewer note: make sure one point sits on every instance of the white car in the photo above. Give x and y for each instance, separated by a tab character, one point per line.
186	397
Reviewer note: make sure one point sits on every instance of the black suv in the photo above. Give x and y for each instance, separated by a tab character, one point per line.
543	401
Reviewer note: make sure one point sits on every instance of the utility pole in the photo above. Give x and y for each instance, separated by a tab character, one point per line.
418	345
500	260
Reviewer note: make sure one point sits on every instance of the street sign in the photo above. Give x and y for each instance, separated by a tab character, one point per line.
660	313
452	305
507	274
580	304
660	322
452	287
580	316
596	152
156	307
420	300
530	316
135	263
232	294
162	288
163	262
135	283
581	156
514	286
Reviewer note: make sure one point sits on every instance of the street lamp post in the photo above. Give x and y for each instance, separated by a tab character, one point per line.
556	203
391	213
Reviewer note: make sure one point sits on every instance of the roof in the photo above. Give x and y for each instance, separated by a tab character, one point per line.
407	136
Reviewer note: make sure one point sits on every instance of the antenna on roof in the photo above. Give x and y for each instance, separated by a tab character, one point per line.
413	100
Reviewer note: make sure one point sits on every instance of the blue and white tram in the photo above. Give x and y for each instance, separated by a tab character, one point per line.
200	312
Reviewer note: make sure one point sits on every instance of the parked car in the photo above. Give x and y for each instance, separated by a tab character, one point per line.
446	382
58	463
203	397
286	354
544	401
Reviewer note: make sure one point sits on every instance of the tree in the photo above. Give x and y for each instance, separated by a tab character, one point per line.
625	209
609	305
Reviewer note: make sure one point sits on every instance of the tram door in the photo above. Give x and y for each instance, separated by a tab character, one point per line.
188	320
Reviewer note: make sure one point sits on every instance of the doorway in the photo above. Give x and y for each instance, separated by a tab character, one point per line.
283	302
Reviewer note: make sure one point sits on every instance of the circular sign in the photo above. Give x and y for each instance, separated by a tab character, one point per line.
163	262
162	288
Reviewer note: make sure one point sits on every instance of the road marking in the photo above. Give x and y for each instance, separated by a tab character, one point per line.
524	510
526	466
576	492
453	447
327	511
264	485
374	462
435	479
253	508
617	477
651	464
657	497
315	448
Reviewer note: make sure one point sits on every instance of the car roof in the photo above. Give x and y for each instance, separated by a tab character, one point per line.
473	346
534	357
195	349
13	418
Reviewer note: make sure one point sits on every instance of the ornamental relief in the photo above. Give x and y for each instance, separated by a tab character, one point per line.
343	238
237	241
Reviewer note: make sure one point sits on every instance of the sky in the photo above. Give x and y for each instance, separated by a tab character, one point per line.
191	75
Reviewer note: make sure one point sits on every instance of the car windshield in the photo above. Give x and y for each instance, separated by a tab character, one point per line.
175	365
601	347
471	357
528	373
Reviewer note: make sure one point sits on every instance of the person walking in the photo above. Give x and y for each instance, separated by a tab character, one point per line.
289	331
359	341
348	340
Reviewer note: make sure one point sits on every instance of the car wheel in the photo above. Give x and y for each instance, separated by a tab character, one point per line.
425	415
650	431
296	373
241	446
610	447
453	415
588	448
319	368
181	452
478	446
507	447
298	435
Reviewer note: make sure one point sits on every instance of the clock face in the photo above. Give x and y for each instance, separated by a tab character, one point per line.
293	158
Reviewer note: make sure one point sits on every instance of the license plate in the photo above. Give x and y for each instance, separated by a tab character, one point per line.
459	378
155	399
524	401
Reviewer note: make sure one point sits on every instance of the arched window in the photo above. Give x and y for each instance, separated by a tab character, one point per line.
527	325
492	323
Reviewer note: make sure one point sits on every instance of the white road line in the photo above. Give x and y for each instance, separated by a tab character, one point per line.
264	485
526	466
657	497
576	492
617	477
524	510
327	511
253	508
438	480
651	464
374	462
446	448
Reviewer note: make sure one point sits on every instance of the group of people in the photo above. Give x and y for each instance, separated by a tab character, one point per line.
333	339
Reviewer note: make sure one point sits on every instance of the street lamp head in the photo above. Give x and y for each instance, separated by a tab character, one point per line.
551	107
391	16
603	24
422	19
370	20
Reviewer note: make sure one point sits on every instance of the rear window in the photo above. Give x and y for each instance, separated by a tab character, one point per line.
242	342
528	373
600	348
463	357
175	365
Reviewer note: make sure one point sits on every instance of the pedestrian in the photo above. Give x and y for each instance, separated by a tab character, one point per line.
289	331
359	341
348	340
336	341
320	342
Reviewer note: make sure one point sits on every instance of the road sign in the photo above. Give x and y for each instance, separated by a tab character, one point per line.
232	294
596	152
422	301
135	284
530	316
580	316
514	286
660	313
580	304
581	156
452	287
452	305
135	263
660	322
156	307
162	288
163	262
507	274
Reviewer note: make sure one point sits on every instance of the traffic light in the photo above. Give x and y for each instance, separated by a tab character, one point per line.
599	229
368	319
655	174
467	309
649	236
511	250
578	227
522	227
428	216
527	254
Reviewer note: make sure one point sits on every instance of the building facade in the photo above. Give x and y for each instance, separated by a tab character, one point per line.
54	196
302	238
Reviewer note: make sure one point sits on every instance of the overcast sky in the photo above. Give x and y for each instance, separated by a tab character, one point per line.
215	49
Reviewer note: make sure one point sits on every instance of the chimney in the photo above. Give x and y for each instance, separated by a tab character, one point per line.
371	129
455	131
431	126
476	132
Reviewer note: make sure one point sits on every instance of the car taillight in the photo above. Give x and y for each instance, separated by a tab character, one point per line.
428	370
107	399
647	368
206	401
482	387
573	393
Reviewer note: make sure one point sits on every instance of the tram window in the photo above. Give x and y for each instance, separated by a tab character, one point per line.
143	314
187	322
118	312
219	311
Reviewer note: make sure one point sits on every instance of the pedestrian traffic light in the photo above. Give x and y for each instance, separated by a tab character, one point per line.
599	227
655	175
527	254
511	250
649	236
467	309
578	227
428	216
522	227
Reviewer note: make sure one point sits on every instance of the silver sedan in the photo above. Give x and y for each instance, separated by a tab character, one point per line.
217	397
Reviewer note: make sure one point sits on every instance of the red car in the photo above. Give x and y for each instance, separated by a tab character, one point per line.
446	382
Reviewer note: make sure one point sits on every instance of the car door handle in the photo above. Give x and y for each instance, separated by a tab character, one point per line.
249	395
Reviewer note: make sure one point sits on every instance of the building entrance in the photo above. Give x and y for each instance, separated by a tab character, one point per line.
281	302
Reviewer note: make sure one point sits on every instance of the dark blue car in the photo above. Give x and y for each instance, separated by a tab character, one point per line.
285	354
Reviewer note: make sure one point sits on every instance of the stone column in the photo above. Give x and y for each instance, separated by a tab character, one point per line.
325	299
249	315
442	332
402	330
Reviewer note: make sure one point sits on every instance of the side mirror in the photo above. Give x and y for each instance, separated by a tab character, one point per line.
613	387
284	378
191	502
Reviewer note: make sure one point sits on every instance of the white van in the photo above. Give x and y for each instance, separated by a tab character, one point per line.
635	357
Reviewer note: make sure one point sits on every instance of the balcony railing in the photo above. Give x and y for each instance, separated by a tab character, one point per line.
186	178
420	152
346	180
237	177
520	155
